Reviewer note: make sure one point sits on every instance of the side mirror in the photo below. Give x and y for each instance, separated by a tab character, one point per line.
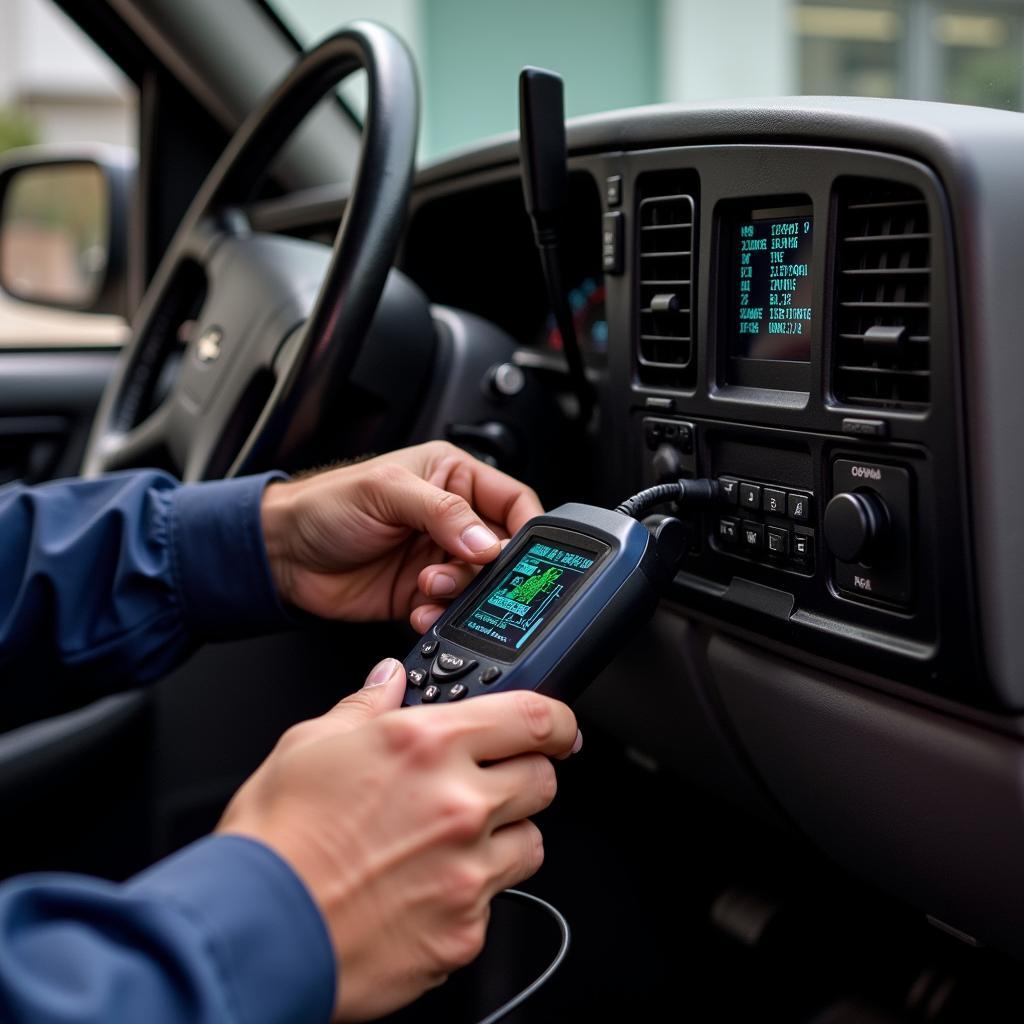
64	227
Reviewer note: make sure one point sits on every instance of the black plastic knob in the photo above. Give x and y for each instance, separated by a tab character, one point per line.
855	525
667	464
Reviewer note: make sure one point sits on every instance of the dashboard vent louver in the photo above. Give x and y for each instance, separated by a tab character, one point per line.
883	296
666	354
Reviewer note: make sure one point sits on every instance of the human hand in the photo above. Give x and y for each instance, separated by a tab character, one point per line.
403	824
370	540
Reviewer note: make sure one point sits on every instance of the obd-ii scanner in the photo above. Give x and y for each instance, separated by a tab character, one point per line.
558	603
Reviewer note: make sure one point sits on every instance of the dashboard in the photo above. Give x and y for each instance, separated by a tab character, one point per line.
817	302
782	318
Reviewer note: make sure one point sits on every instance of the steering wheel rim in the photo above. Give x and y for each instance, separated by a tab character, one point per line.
306	360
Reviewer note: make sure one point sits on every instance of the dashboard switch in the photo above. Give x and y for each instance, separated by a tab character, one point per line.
778	542
729	489
613	189
774	501
750	496
799	507
611	242
803	548
728	530
753	534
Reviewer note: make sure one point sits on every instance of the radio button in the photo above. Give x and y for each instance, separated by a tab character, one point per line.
778	542
799	507
775	501
802	547
750	496
753	534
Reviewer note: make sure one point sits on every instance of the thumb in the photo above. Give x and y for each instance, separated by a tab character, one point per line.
383	691
447	517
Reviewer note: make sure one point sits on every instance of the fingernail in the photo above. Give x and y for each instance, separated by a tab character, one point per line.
478	538
440	584
577	745
381	673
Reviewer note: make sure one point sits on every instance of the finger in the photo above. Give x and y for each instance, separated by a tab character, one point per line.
495	726
407	500
515	853
445	581
497	496
423	617
383	691
520	787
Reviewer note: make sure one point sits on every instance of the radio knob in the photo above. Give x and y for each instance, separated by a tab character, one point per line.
855	523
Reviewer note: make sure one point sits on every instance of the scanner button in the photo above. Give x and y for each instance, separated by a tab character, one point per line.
451	666
431	693
427	648
416	676
458	691
489	674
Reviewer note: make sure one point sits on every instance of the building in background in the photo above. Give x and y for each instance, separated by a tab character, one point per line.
612	53
55	84
618	54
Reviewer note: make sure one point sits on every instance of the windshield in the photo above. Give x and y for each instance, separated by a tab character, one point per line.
622	53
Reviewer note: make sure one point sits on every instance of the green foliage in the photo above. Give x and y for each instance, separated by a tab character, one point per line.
16	130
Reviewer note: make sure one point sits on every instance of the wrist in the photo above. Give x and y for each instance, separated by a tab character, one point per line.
277	522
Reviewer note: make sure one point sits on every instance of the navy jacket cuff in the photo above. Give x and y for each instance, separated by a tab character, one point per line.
261	926
220	560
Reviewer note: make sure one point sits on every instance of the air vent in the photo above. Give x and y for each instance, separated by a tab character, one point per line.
883	296
665	349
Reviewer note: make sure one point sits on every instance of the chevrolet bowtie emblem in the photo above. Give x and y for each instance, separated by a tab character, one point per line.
208	345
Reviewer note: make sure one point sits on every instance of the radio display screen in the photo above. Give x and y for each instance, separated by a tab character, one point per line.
536	585
770	314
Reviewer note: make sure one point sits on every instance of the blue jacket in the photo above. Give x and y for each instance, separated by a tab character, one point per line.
112	582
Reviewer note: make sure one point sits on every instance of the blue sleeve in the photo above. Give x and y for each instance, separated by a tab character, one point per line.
223	932
116	580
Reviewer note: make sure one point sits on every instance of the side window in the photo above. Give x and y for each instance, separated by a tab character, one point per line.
58	91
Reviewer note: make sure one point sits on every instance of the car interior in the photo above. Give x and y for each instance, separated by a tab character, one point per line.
801	795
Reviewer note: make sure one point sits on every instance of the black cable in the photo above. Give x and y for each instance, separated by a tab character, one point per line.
563	948
684	491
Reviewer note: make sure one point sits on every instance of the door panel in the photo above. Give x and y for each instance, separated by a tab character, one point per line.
47	401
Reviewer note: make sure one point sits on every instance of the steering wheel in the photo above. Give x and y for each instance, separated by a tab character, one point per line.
276	332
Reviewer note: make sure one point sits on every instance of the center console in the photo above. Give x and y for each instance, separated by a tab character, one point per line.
792	318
